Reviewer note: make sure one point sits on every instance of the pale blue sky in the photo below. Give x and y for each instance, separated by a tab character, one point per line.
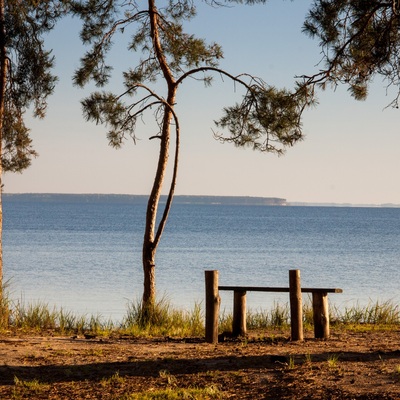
351	153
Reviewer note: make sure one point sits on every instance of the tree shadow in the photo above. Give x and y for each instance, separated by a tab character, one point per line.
151	368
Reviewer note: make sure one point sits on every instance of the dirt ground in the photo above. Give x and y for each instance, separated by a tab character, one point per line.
347	366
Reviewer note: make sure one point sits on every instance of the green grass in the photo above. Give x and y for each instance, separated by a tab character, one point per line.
168	321
113	380
377	313
28	389
40	317
177	394
5	307
333	360
165	320
291	364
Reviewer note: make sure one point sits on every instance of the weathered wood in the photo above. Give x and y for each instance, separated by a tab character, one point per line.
320	306
279	289
321	315
212	306
296	305
239	327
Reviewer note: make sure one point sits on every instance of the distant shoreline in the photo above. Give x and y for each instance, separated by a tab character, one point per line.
140	199
181	199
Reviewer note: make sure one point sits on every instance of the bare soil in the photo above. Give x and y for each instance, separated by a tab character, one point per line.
350	365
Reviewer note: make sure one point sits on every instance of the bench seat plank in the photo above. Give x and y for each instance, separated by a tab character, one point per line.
278	289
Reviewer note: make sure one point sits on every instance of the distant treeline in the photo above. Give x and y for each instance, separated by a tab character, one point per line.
142	199
231	200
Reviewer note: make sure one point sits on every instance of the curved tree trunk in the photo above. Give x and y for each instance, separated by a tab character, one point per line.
3	82
151	239
149	247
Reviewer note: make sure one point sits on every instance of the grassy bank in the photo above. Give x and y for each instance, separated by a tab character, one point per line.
118	366
169	321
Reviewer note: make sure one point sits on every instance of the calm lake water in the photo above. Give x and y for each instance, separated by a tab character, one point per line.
83	253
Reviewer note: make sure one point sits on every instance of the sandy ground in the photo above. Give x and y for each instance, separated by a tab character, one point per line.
347	366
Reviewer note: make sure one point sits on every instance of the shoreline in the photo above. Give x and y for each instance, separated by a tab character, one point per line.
185	199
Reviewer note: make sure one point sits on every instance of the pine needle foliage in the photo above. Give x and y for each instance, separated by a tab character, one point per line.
359	40
26	68
264	110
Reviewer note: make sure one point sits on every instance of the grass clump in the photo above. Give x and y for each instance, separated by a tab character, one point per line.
308	313
35	316
292	363
377	313
40	317
5	309
28	389
278	317
163	320
333	360
225	321
209	392
113	380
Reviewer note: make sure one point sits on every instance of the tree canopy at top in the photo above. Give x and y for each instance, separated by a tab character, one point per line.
268	119
26	73
359	39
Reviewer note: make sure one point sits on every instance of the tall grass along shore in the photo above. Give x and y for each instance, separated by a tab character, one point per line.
169	321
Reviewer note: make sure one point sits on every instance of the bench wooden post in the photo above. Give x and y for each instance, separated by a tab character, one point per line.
239	327
212	306
320	306
296	305
320	315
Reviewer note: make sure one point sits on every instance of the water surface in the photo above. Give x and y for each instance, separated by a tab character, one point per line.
83	253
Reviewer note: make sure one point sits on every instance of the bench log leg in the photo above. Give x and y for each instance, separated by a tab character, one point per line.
296	305
239	327
321	315
212	306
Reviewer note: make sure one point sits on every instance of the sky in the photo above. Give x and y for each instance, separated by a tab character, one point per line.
350	154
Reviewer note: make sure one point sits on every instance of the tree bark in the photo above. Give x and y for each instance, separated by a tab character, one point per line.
151	238
213	302
296	305
3	82
150	241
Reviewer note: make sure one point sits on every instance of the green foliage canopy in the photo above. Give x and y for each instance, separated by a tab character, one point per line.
267	119
28	77
359	39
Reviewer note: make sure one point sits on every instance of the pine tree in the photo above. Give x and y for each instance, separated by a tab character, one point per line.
267	119
25	79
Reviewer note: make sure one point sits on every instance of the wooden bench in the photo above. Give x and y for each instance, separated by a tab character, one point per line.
319	304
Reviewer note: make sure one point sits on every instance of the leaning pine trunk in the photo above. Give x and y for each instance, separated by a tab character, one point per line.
149	271
151	239
149	244
152	234
3	81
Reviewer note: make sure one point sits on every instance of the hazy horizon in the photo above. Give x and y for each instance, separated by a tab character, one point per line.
288	201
